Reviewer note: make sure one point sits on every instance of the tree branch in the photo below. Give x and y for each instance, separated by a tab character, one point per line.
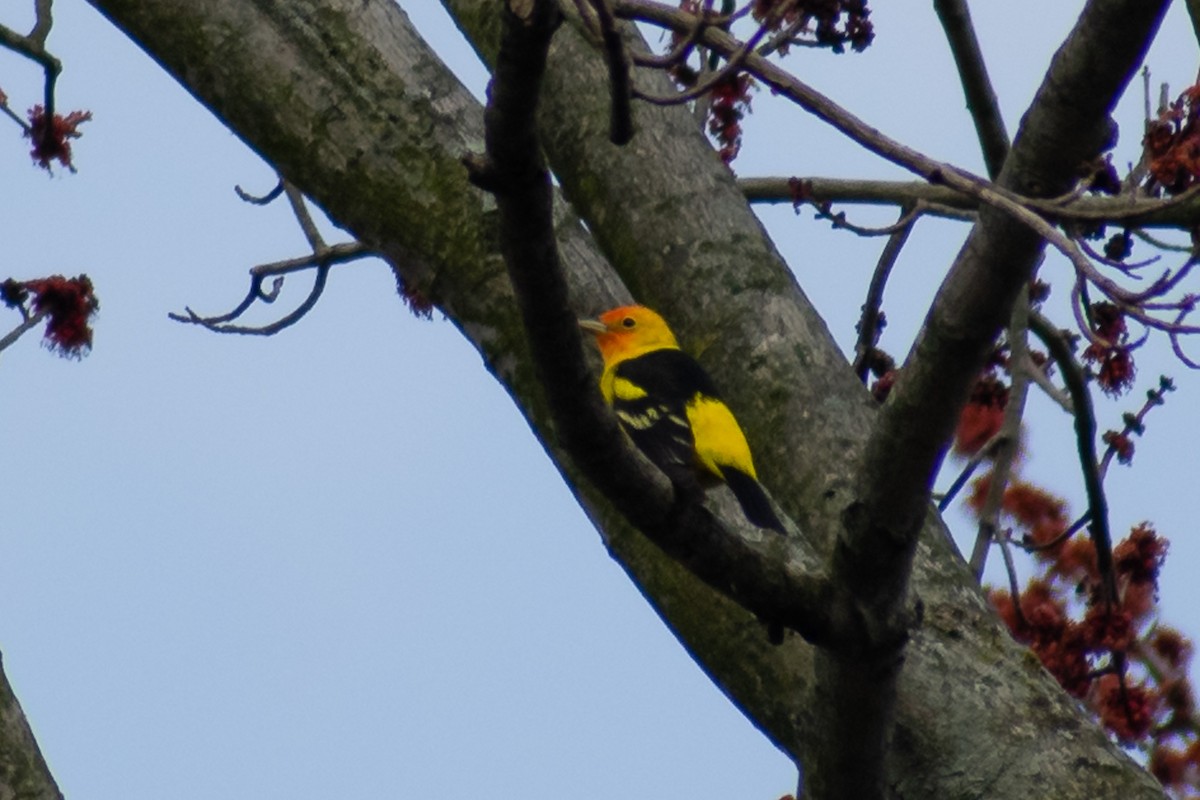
869	322
977	87
1179	212
1085	443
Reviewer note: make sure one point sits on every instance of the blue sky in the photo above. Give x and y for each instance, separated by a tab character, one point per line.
335	562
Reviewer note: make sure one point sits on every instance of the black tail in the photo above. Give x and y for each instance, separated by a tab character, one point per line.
753	499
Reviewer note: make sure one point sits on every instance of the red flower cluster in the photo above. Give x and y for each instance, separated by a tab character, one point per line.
1158	711
416	300
1045	626
68	303
1113	355
1172	145
1141	556
833	23
1121	444
730	102
1127	711
982	416
51	139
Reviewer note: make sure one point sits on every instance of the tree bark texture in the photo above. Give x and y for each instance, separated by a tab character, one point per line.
23	771
352	107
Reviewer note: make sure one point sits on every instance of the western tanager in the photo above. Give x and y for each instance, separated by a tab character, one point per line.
671	410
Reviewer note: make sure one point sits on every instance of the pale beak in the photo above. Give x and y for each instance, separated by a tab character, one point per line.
593	326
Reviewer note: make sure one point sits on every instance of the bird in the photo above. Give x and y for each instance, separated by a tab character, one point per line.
669	406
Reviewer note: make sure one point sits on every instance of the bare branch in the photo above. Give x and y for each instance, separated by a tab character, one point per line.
1039	377
1085	442
1008	437
331	255
1181	211
16	333
620	126
1010	569
839	221
1136	423
868	323
968	470
33	47
257	200
977	87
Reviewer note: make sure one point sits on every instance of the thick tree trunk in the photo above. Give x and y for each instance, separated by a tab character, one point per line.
350	105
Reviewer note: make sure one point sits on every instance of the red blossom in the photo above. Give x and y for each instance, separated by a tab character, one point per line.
730	103
1109	322
1121	444
69	304
1117	369
416	300
1107	629
51	142
1172	647
1066	659
1127	711
1139	599
831	23
1044	611
1140	555
982	416
1051	634
1177	697
1168	765
1172	145
1076	560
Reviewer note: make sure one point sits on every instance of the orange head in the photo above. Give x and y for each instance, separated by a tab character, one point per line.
628	332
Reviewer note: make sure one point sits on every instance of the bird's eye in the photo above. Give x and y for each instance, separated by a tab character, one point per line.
629	322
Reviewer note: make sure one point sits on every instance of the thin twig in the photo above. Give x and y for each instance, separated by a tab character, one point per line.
1085	441
257	200
332	255
270	329
620	125
1071	530
1136	423
907	217
19	331
968	470
1039	377
1154	241
732	66
1010	569
1009	434
868	324
683	50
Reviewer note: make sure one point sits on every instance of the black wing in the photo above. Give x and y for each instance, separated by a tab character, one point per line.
657	422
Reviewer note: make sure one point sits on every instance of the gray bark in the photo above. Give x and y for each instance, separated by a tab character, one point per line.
23	770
